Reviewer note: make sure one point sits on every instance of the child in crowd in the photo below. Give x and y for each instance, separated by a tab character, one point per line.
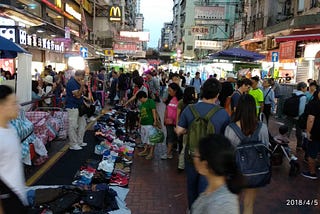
283	139
147	120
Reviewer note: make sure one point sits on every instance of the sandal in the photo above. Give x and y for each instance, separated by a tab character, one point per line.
149	157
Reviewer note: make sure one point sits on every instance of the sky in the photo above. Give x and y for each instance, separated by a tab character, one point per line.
155	13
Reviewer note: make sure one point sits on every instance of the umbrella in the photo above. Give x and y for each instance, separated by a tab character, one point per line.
237	54
9	49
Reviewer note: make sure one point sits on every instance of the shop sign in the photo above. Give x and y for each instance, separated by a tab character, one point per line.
199	30
115	14
124	48
209	13
287	50
208	44
58	3
126	39
69	9
86	5
21	37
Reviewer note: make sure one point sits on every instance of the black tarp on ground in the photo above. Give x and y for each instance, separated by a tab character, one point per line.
66	167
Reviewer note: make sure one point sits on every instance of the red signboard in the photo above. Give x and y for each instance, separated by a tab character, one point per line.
124	48
287	50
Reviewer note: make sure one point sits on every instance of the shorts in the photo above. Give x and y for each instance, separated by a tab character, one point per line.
144	132
171	135
313	149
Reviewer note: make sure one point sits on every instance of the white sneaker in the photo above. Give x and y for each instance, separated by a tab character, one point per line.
164	157
83	144
293	158
75	147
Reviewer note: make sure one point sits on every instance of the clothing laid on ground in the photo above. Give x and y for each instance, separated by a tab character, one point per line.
11	169
146	116
221	201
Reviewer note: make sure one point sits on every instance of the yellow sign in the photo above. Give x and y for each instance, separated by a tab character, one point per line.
58	3
108	52
115	14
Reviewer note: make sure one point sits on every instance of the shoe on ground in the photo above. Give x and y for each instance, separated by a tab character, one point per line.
83	144
165	157
75	147
293	158
143	153
309	175
149	157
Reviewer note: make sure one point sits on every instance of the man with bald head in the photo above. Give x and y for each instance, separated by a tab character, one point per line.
75	88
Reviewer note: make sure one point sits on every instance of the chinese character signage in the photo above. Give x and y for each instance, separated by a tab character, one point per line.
199	30
287	50
208	44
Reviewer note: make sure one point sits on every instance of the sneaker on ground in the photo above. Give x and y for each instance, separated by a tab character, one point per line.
83	144
165	157
294	158
309	175
75	147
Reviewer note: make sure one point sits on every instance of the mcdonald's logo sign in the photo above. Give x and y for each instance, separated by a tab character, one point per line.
115	14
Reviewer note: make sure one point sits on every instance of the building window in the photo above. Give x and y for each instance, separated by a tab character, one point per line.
300	5
54	18
31	6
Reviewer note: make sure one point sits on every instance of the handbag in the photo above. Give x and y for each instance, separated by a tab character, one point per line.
84	109
157	136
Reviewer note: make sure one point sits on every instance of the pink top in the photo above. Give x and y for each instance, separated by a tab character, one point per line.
172	110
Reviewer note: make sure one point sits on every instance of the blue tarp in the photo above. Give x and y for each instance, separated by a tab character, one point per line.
9	49
237	54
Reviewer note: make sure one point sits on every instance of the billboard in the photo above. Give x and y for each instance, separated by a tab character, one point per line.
143	36
209	15
208	44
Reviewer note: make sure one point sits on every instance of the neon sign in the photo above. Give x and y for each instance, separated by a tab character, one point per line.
69	9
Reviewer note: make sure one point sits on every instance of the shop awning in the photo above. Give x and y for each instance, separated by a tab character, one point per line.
9	49
303	37
237	54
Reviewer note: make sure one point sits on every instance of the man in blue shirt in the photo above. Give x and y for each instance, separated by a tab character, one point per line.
74	100
196	183
196	83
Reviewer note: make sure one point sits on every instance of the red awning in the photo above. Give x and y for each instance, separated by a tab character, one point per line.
304	37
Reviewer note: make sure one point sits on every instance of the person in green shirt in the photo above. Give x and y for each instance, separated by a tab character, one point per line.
147	120
257	93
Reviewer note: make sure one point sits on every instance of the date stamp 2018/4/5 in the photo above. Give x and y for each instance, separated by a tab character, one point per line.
302	202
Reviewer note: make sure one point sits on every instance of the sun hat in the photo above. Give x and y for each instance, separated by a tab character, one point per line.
230	75
48	79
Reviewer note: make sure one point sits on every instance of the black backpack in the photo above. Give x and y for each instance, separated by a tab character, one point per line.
252	158
291	105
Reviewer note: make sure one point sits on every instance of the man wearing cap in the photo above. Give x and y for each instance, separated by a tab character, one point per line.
74	100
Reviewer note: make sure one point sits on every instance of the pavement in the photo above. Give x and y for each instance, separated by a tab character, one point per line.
156	187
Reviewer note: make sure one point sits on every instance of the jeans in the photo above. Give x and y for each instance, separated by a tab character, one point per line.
196	183
77	127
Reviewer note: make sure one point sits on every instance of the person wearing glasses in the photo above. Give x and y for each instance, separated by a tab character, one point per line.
215	160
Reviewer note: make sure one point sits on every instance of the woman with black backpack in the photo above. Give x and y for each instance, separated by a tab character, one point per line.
246	127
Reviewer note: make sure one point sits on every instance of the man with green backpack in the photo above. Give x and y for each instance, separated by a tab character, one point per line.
197	121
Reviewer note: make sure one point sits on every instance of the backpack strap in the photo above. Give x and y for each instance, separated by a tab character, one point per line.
241	136
194	111
212	112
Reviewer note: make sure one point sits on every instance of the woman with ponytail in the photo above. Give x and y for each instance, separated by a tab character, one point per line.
215	160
